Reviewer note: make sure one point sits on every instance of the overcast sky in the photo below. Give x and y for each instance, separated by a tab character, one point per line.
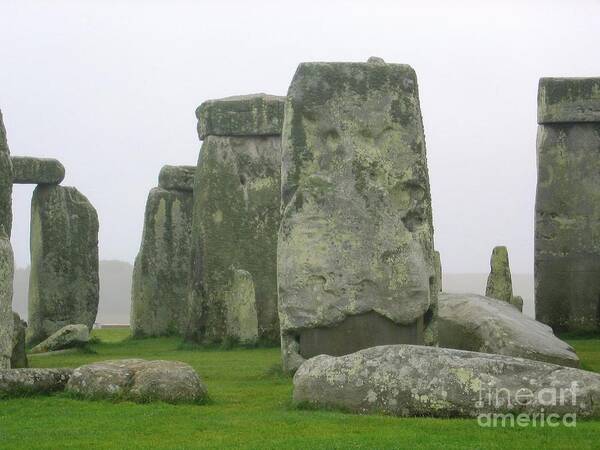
110	88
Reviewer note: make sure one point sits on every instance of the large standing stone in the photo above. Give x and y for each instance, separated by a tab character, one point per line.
410	380
482	324
160	277
63	285
567	212
18	358
29	170
6	176
499	282
236	212
6	293
355	256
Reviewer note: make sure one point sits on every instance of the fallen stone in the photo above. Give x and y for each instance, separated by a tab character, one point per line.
29	170
482	324
18	359
235	222
570	100
177	178
6	294
67	337
6	176
567	255
63	285
242	115
138	380
18	382
356	239
499	282
410	380
161	269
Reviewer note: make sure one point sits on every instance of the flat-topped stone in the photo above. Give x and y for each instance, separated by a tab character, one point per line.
355	247
177	178
569	100
30	170
242	115
410	380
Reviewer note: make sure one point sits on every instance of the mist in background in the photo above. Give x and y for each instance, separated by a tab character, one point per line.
110	89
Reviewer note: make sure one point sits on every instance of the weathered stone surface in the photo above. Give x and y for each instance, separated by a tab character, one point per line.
16	382
407	380
438	271
67	337
18	358
234	227
356	234
242	115
517	302
177	178
240	307
567	226
160	278
29	170
569	100
499	282
63	285
138	380
6	176
6	293
482	324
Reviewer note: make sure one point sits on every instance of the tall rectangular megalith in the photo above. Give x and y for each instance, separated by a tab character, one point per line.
356	265
567	209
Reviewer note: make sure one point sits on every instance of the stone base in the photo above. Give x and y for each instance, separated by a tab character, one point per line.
356	333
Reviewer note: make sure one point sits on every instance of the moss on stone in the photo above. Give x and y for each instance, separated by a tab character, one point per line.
63	285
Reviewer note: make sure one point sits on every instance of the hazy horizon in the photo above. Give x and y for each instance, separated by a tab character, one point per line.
110	89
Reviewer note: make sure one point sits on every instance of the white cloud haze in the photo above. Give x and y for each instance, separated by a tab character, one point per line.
110	88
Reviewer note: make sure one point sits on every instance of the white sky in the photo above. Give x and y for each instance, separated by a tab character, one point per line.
110	89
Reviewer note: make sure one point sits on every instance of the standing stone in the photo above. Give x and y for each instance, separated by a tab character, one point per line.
567	211
236	212
499	282
18	359
438	271
6	176
6	293
28	170
63	285
240	304
356	264
160	277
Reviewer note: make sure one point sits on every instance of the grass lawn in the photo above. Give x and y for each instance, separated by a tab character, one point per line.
250	408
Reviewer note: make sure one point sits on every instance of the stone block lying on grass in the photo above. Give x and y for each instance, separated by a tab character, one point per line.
16	382
410	380
482	324
138	380
67	337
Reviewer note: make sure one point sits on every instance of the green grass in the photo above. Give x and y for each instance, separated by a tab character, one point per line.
250	407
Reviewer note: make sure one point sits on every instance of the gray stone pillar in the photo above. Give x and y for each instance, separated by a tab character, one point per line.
63	285
356	265
6	294
567	210
236	213
160	277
